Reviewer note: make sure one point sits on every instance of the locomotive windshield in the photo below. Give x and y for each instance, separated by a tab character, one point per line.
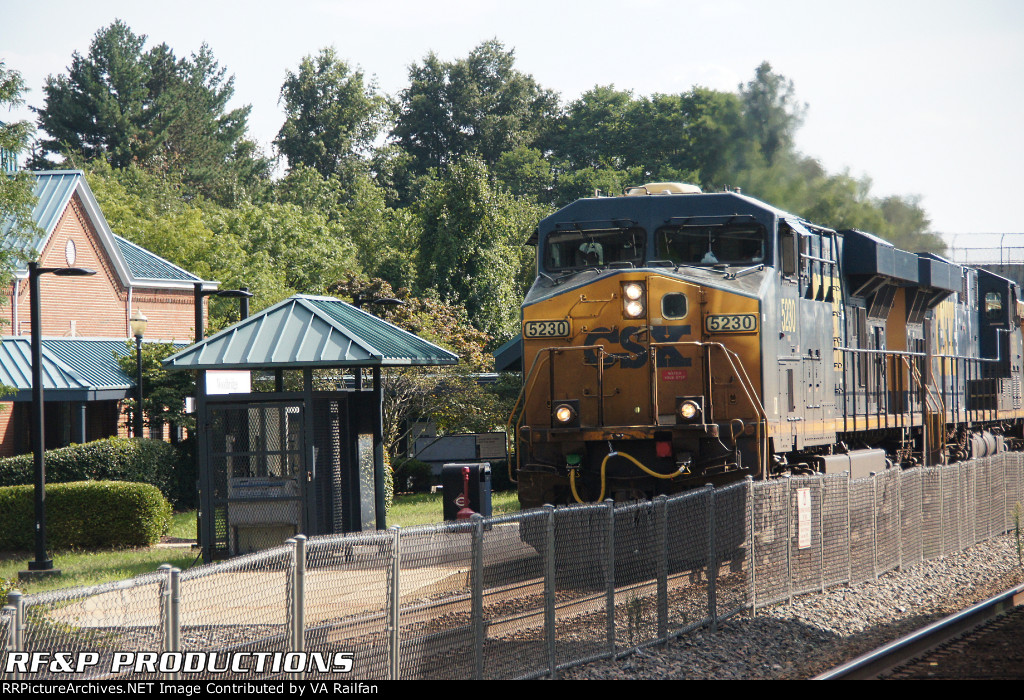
580	249
712	245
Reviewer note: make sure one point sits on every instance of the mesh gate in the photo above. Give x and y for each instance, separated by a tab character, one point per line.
256	469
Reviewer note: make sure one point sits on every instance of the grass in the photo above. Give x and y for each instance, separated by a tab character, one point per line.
91	568
426	508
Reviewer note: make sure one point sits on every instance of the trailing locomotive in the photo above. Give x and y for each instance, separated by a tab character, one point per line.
674	338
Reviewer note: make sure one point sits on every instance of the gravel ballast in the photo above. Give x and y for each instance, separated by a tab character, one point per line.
816	632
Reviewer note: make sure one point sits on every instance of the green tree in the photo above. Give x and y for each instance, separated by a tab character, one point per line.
130	106
472	252
332	116
16	198
163	391
772	111
479	104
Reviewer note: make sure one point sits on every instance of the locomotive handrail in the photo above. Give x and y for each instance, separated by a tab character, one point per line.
745	383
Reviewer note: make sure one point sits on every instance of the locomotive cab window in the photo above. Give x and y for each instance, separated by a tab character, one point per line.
673	306
994	306
578	250
712	245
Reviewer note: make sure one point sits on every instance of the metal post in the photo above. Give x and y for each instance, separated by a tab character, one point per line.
477	592
16	634
712	561
751	544
42	562
549	589
661	520
394	603
289	612
899	516
874	523
789	540
300	594
138	382
821	531
609	576
849	533
175	614
165	593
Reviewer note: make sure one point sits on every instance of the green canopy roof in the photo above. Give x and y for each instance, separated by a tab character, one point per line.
310	331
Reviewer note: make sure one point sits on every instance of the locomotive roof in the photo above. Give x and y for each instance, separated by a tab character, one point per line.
652	211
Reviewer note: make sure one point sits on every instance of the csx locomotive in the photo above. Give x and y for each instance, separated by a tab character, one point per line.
674	338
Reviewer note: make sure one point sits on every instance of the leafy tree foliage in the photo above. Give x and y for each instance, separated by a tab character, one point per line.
163	391
332	116
480	104
471	250
16	198
772	111
149	108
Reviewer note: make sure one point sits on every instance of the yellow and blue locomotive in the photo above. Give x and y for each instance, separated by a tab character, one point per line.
674	338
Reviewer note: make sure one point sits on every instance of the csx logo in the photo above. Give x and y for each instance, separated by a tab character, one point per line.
788	320
636	354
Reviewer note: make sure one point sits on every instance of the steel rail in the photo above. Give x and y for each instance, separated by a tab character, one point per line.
885	658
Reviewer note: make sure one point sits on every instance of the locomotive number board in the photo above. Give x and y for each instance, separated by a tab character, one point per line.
547	329
731	323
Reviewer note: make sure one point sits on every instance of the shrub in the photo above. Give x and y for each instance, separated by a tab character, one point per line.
117	459
412	475
86	515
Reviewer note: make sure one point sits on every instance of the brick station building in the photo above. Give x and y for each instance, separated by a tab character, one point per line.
84	319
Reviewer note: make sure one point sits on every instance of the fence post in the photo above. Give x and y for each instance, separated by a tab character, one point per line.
164	591
789	540
477	592
16	633
609	576
821	531
300	594
394	604
712	560
874	524
751	542
899	515
661	518
175	614
849	532
549	588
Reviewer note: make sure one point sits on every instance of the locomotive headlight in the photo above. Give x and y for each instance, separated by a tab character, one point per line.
566	414
633	298
563	414
690	409
634	309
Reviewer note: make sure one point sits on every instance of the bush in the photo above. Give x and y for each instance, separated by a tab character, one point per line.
413	476
116	459
86	515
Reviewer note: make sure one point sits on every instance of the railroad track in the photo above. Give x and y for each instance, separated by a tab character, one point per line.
984	641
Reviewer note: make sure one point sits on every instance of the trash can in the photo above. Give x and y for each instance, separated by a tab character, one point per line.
479	489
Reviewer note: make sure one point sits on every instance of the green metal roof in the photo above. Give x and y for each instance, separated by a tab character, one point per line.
310	331
146	265
74	369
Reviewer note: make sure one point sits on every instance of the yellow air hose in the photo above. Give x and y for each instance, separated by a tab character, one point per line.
604	463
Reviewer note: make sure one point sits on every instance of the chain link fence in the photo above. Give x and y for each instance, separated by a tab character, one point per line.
517	596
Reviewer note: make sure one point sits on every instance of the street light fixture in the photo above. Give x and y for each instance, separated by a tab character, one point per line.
42	565
138	324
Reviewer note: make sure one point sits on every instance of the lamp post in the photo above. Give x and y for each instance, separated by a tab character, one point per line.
138	325
42	565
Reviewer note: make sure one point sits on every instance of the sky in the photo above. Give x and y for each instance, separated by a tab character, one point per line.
924	98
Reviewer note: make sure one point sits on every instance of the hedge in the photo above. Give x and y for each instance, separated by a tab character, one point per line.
85	515
117	459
